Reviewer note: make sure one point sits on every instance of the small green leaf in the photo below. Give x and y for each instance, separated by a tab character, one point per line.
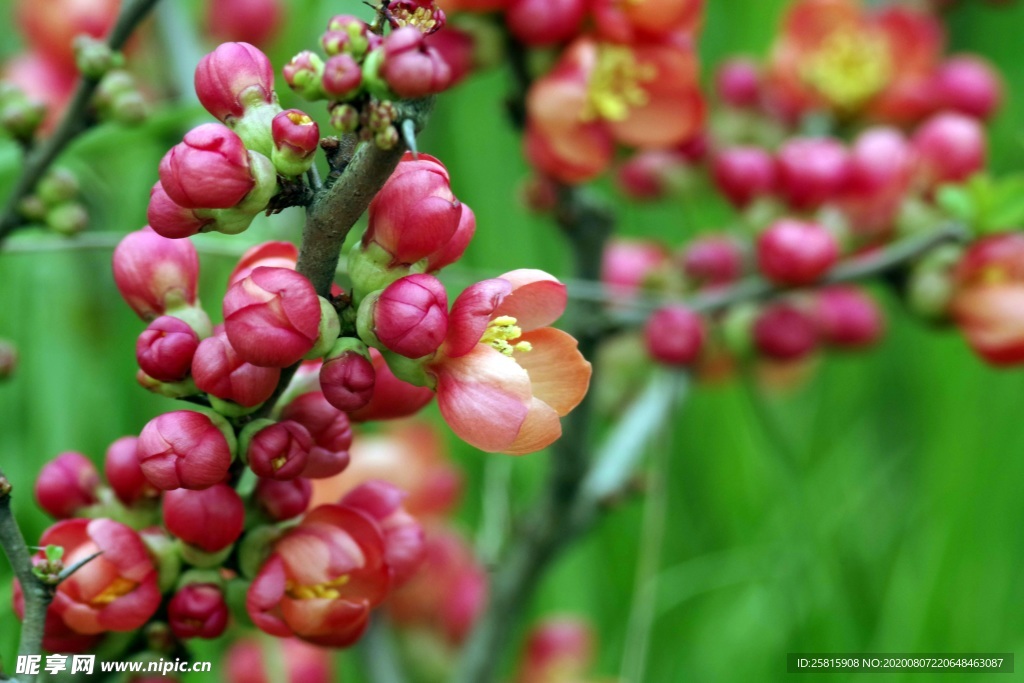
54	553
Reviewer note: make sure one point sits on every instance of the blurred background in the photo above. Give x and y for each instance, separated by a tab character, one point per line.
873	506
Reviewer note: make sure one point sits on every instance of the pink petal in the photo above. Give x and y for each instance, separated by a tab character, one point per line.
537	299
483	396
559	374
540	430
471	312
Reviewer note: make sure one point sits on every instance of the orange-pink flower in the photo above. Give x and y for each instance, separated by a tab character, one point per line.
989	300
601	94
833	55
503	377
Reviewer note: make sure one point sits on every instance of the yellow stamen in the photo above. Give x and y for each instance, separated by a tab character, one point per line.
118	587
615	84
993	275
321	590
278	463
422	18
849	68
503	330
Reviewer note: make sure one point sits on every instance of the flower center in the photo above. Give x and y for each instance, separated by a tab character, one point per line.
423	18
118	587
615	84
503	330
321	590
849	68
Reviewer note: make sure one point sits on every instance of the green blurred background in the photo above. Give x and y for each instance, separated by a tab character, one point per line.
878	508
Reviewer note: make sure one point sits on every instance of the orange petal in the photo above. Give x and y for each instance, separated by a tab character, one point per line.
540	430
559	374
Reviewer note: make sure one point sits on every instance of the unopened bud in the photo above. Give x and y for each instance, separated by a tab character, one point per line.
304	75
347	376
94	58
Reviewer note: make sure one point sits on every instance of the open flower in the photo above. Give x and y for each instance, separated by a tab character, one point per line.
322	578
503	377
989	301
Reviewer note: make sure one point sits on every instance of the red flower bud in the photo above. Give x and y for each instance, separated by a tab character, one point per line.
628	264
280	450
342	77
417	194
674	335
744	174
648	174
218	370
124	474
198	610
792	252
881	167
987	303
557	647
847	318
272	317
165	349
115	591
392	398
457	49
811	171
969	85
51	27
330	429
738	83
234	77
713	260
296	139
410	317
154	273
208	170
411	67
457	244
403	535
270	254
171	220
950	148
249	21
66	484
784	332
539	23
347	380
183	449
210	519
283	500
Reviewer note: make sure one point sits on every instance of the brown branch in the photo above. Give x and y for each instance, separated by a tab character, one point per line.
75	121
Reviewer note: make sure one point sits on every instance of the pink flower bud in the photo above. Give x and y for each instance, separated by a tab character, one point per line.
738	83
154	273
249	21
350	35
811	171
347	379
66	484
283	500
210	519
165	349
233	78
744	174
218	370
674	335
457	49
648	174
280	450
392	398
969	85
456	246
410	317
412	68
415	215
539	23
557	647
713	260
342	77
403	535
124	474
170	219
198	610
784	332
330	430
296	139
950	148
627	264
208	170
304	75
987	303
270	254
272	317
847	318
792	252
184	449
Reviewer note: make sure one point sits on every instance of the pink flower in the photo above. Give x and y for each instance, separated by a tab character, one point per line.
503	378
989	301
557	649
154	273
330	429
403	535
322	578
233	78
272	317
280	450
208	170
411	67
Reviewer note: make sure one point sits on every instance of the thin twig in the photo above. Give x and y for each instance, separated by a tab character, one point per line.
76	120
